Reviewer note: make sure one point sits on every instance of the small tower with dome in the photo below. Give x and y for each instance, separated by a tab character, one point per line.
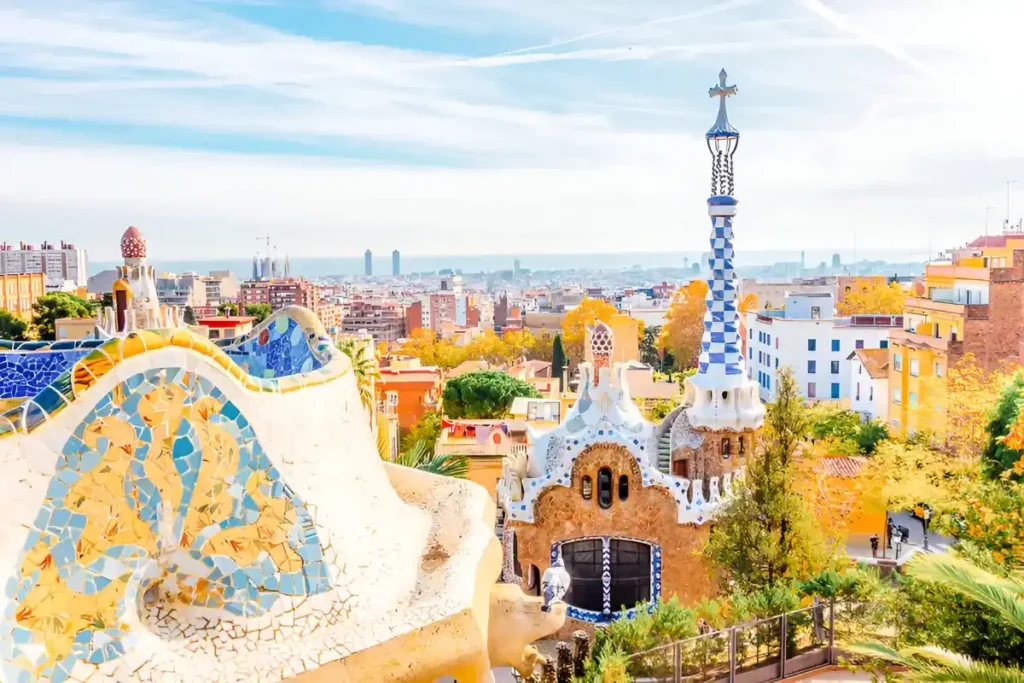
136	306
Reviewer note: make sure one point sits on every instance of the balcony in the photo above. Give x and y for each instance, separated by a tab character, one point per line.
472	449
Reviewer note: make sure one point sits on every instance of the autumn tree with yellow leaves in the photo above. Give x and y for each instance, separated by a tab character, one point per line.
873	297
575	324
684	324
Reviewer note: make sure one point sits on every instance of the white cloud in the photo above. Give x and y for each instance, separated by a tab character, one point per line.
885	119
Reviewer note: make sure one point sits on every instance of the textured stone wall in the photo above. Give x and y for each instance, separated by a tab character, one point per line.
647	514
996	338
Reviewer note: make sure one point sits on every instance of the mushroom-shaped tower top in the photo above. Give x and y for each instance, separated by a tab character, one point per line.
133	244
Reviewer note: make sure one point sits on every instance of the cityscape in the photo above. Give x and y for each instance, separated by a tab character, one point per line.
569	435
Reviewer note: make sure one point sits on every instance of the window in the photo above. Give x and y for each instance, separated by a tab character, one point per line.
812	367
751	353
915	367
938	369
897	362
835	389
812	344
857	395
871	393
835	345
858	344
604	487
811	390
912	398
897	395
768	359
751	332
588	487
741	445
835	367
815	312
583	562
629	569
776	362
884	344
769	339
623	487
726	448
860	369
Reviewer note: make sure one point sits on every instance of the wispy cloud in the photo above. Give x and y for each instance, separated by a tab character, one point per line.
855	115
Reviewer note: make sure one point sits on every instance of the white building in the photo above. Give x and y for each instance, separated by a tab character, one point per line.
806	337
60	265
869	384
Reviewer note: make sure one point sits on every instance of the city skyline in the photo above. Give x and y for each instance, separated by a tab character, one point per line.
403	123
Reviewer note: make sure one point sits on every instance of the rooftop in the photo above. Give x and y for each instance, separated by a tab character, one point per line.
227	320
875	361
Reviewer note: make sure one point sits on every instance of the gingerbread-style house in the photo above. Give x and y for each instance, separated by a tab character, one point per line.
626	503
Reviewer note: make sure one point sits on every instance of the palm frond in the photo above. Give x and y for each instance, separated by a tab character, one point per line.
935	665
422	457
1003	595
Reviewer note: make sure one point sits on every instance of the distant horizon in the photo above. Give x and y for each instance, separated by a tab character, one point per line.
488	263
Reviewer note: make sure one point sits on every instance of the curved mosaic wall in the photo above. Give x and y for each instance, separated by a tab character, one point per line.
278	348
165	488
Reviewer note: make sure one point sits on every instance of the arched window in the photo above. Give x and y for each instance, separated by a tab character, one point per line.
604	487
623	487
588	487
533	580
742	446
726	448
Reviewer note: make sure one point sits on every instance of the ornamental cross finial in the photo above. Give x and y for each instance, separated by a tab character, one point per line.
722	91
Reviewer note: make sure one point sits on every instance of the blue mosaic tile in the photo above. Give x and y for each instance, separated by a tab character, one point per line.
278	350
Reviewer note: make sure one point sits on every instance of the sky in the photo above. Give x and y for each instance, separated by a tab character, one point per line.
491	126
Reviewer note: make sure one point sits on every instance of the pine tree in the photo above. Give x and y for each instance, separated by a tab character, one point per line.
765	535
558	360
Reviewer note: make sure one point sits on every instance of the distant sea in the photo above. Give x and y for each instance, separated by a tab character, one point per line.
485	263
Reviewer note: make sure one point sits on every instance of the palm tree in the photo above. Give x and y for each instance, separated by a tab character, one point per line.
365	369
1004	595
421	457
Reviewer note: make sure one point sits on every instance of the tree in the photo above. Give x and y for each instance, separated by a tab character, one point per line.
483	395
576	322
649	352
748	303
765	535
1003	596
518	344
259	311
873	296
228	308
1003	451
969	394
431	351
50	307
558	360
427	430
684	324
422	457
364	367
543	349
487	347
188	315
12	327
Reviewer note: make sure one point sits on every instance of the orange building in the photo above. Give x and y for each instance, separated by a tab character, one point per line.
418	390
18	291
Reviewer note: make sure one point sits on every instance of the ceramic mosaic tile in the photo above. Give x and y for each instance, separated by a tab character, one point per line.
24	373
162	489
279	349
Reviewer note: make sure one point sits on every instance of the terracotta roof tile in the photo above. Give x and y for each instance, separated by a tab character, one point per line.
875	361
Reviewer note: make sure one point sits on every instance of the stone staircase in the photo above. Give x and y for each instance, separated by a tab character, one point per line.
665	452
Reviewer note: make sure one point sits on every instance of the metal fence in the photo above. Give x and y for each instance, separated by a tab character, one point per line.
756	652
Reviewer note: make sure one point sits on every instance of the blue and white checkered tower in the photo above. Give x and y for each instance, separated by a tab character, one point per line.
721	393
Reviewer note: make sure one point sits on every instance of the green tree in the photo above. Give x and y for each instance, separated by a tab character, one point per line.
765	535
486	394
869	435
998	456
12	327
558	360
50	307
188	315
1003	596
228	308
649	347
427	430
259	311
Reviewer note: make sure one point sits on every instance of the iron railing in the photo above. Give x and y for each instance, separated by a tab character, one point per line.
760	651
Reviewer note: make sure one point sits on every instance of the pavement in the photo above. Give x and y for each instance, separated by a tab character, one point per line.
858	546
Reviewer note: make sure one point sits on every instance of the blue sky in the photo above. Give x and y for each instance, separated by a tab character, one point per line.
485	126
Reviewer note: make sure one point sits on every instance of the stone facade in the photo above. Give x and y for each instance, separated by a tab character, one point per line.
648	514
